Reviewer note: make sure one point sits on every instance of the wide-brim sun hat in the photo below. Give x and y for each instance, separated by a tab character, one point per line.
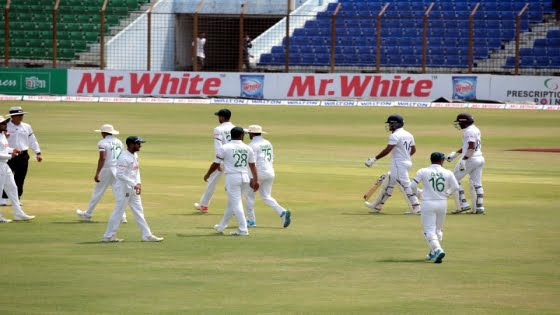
4	119
107	128
16	110
255	129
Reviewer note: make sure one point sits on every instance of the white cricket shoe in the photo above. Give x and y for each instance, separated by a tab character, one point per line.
83	215
4	202
23	217
124	220
152	238
219	229
4	220
112	239
372	207
201	208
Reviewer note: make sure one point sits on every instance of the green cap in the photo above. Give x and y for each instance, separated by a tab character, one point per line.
437	156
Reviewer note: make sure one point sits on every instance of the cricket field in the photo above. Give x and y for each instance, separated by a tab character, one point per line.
335	258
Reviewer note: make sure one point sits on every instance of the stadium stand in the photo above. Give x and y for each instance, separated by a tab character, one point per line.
78	26
401	34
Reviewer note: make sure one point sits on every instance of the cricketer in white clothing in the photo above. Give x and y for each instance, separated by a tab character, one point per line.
471	163
401	146
264	153
7	181
21	137
438	185
238	159
127	190
110	148
221	137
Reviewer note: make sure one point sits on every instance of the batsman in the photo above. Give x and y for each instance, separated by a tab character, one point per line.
401	146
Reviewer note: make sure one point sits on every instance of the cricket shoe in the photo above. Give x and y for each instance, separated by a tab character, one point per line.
201	208
372	207
124	220
4	202
83	216
112	239
239	233
286	218
152	238
480	211
439	254
463	209
23	217
431	256
219	229
4	220
251	223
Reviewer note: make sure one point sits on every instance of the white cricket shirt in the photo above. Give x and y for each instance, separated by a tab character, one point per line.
472	134
403	141
264	155
113	148
22	137
200	42
437	181
236	157
128	170
222	135
5	149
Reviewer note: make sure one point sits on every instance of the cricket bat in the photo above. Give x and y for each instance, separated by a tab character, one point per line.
374	187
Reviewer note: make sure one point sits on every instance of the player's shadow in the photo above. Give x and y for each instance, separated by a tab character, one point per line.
405	261
77	222
214	234
197	214
369	213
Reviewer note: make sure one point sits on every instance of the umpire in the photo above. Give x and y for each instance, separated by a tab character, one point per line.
21	137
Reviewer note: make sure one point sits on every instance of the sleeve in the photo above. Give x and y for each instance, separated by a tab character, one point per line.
5	156
218	141
393	139
101	147
453	184
251	156
138	179
220	155
123	170
469	136
415	181
33	143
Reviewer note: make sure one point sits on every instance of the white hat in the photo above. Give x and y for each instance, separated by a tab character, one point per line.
108	129
16	110
255	129
4	119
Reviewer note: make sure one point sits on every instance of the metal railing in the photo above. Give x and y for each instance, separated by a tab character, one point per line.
283	42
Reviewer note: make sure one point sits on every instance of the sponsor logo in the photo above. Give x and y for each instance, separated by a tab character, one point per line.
33	83
8	82
464	88
552	84
252	86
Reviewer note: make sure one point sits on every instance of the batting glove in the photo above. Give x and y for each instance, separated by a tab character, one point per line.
451	156
461	165
369	162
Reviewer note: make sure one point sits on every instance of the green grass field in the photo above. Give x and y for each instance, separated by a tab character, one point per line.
335	258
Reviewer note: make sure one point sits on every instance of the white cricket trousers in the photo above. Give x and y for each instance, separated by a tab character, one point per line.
210	188
433	217
124	196
265	191
8	184
399	173
106	179
237	185
473	168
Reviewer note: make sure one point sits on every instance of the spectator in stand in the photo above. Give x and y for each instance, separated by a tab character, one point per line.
556	6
